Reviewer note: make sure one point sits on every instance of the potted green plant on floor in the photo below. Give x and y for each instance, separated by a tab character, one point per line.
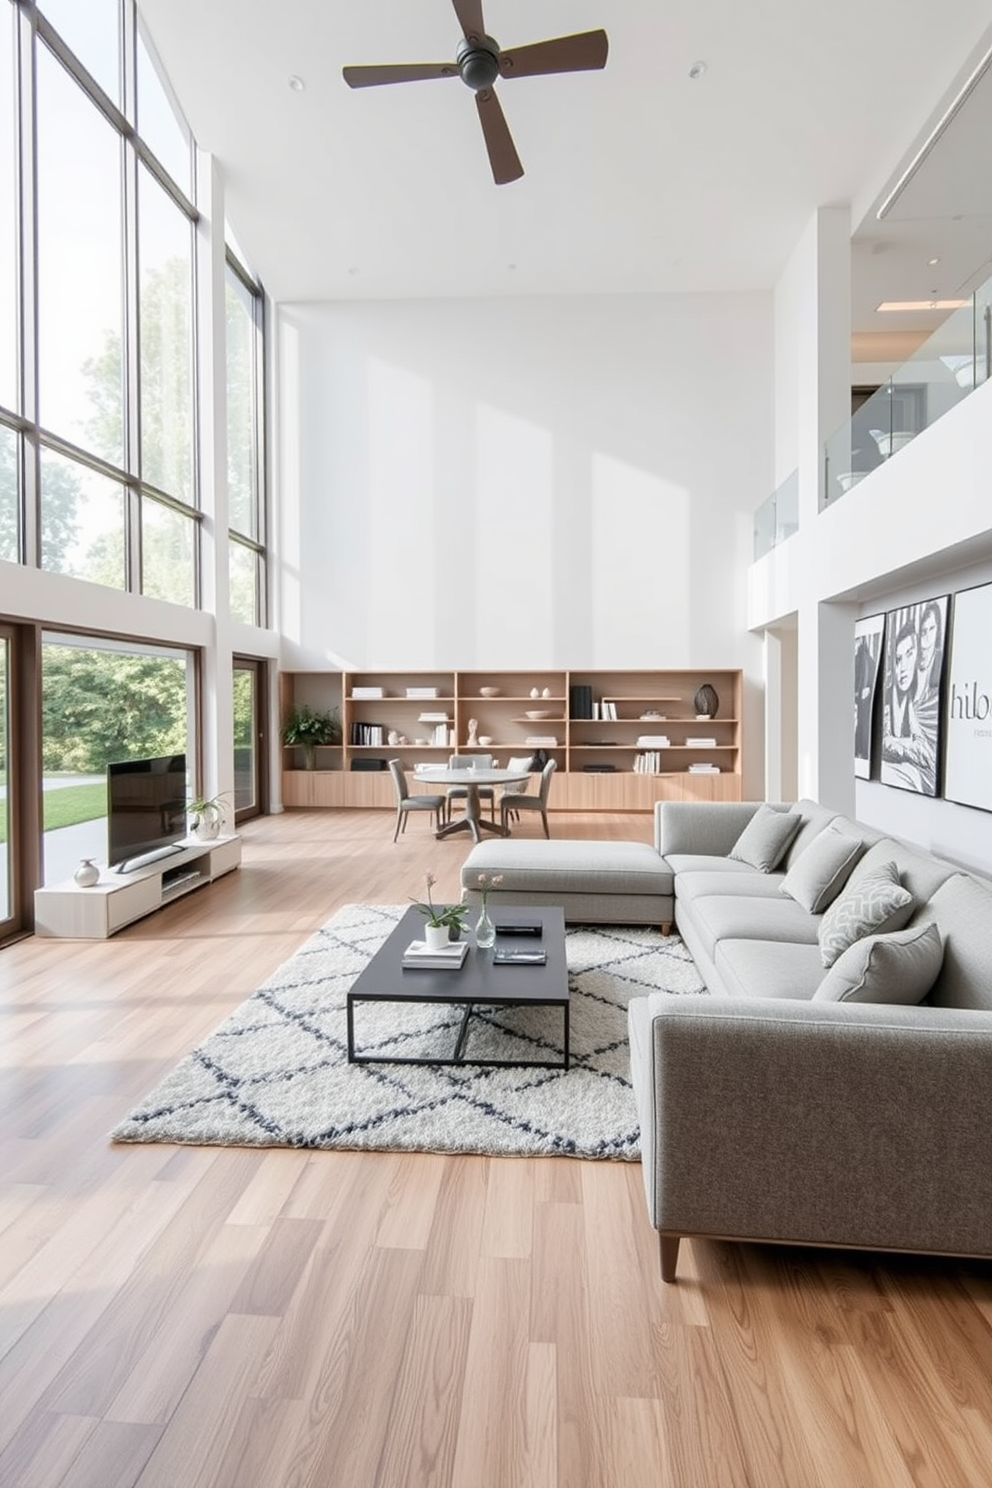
308	727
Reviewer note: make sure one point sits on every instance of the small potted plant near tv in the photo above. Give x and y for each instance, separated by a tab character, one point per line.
308	727
206	816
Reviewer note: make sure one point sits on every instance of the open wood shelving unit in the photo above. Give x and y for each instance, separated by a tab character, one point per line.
596	757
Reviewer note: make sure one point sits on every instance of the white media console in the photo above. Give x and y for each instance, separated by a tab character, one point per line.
66	910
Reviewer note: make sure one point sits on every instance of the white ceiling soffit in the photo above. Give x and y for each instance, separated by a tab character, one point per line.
637	178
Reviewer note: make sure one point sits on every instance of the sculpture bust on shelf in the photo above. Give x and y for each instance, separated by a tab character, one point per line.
473	725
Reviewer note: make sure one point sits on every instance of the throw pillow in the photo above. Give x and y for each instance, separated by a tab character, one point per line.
821	870
765	838
874	905
896	968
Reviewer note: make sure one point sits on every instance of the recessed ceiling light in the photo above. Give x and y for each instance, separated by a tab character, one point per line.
932	261
697	69
296	83
921	305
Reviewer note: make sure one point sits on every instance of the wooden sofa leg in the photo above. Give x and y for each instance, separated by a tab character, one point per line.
666	927
669	1256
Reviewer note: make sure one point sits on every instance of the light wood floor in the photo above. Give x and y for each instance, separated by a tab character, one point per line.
197	1317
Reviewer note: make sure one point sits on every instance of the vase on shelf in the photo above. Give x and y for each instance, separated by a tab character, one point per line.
485	930
706	701
436	937
87	874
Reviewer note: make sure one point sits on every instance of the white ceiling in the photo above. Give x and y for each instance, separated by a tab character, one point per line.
638	178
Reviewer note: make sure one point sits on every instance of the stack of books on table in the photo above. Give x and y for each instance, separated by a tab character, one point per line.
420	956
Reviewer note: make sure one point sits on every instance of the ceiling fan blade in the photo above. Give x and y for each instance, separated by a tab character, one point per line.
397	72
503	155
469	13
580	53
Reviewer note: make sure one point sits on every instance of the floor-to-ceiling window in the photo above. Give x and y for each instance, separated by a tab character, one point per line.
102	405
6	871
250	758
102	701
245	456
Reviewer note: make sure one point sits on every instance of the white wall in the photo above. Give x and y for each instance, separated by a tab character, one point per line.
557	482
919	525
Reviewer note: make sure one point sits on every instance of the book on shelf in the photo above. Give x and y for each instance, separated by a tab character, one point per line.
701	743
580	701
653	741
704	769
420	956
547	741
421	692
433	718
367	692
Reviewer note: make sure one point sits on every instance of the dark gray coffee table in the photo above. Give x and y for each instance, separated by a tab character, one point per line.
479	983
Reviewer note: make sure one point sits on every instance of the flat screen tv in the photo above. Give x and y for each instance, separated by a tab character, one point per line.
146	809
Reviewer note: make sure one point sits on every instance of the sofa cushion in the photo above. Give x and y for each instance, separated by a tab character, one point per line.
690	886
813	819
821	870
765	838
569	867
896	968
962	910
874	905
919	871
704	863
762	968
728	917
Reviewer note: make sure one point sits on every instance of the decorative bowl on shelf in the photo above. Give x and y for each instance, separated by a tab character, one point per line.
489	692
485	740
538	713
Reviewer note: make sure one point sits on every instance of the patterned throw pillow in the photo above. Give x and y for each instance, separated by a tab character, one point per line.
874	905
765	838
821	870
896	968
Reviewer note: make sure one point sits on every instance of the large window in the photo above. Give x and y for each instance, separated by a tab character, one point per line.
99	460
8	218
243	300
102	701
108	324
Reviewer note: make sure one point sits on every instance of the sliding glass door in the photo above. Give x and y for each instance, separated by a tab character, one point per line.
249	739
6	856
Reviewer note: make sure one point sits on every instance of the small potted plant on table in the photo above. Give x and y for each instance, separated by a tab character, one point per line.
444	921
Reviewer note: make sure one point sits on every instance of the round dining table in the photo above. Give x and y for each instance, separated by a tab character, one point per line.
472	820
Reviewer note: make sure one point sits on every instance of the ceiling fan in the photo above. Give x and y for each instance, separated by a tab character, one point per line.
479	61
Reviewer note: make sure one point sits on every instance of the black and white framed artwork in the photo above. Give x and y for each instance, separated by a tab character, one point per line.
911	716
868	635
968	711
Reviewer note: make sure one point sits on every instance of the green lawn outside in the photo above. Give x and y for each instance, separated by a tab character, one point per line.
74	803
67	806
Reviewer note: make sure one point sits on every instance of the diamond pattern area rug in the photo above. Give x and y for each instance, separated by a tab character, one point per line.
275	1073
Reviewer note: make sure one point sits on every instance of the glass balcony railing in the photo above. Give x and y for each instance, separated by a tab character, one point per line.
778	517
942	371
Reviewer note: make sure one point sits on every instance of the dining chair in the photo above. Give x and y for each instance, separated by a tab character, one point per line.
459	792
519	763
405	802
517	801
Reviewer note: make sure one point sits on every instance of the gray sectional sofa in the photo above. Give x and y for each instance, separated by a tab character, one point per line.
769	1113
